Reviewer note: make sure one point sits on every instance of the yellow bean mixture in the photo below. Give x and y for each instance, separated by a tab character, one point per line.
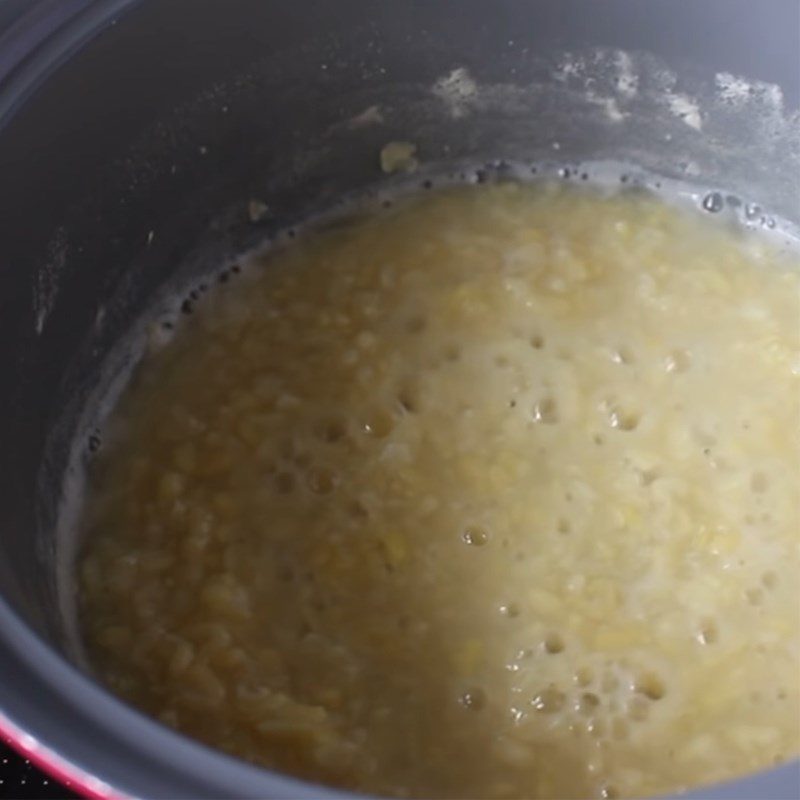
495	493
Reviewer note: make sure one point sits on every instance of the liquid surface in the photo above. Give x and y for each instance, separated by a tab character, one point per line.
494	494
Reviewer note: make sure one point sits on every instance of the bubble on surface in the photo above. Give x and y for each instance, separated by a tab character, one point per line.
708	633
622	419
713	202
584	676
473	699
650	685
408	400
331	430
554	643
379	424
549	701
623	355
769	579
752	212
475	536
588	703
678	361
510	610
596	727
754	596
545	411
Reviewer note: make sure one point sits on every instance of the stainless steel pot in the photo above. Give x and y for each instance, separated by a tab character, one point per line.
134	133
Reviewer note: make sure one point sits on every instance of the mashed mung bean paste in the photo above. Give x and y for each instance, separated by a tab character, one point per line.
494	493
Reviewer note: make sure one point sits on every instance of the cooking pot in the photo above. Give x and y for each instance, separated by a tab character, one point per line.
143	142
